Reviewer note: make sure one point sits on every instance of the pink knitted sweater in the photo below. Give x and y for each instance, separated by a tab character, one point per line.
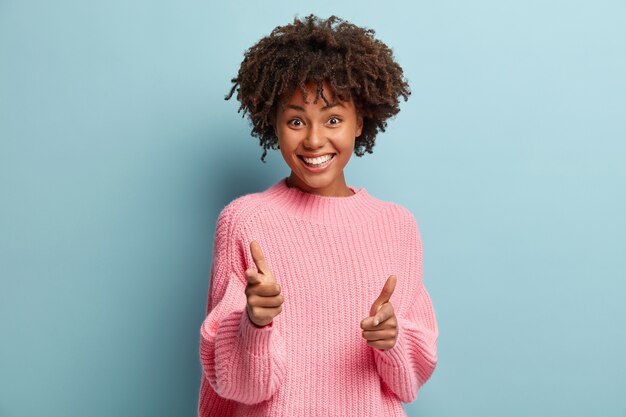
331	257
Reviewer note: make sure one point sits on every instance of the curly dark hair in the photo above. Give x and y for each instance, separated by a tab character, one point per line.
357	67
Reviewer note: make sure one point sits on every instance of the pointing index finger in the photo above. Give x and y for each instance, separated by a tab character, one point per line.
385	294
259	259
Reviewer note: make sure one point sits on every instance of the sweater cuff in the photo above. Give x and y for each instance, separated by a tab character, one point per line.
394	357
255	339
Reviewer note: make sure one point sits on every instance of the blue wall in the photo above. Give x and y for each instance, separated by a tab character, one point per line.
117	152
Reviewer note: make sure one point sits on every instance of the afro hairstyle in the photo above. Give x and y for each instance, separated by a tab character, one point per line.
356	65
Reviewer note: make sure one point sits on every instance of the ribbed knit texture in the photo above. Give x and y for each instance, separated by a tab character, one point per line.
331	256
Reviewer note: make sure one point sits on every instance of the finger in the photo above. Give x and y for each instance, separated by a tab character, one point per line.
382	344
384	313
259	259
253	277
368	323
390	322
263	290
379	334
262	316
258	301
385	294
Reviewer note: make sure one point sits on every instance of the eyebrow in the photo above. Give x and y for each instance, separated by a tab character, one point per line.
300	108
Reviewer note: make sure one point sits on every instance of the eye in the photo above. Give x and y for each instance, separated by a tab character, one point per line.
334	120
295	122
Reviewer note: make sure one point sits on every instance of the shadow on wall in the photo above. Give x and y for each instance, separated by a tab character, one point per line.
234	171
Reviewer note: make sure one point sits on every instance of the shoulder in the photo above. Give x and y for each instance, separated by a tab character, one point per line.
405	215
244	214
402	220
408	222
396	213
398	218
240	211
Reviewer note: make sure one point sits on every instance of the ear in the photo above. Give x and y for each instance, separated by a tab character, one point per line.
359	125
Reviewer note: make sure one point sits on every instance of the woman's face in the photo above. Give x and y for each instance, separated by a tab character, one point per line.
316	130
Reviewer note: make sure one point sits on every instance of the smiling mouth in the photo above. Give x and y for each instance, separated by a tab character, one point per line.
319	162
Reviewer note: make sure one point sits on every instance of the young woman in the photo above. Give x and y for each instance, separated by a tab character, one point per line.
316	303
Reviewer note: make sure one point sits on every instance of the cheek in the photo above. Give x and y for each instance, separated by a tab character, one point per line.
282	138
347	139
288	157
289	139
287	147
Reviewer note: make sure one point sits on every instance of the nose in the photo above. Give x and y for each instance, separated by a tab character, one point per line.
314	139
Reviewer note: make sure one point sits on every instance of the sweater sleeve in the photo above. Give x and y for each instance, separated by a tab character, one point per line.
242	362
412	360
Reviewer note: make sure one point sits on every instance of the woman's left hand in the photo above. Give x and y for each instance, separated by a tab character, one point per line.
380	329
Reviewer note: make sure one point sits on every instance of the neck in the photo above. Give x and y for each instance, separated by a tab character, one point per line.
344	190
358	207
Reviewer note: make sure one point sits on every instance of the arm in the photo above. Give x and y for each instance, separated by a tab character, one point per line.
410	363
241	361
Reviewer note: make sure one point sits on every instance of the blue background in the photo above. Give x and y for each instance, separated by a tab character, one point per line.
117	152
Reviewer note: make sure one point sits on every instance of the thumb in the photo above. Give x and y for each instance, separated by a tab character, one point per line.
253	277
385	294
259	261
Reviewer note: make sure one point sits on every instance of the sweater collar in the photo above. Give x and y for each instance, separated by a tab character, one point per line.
356	208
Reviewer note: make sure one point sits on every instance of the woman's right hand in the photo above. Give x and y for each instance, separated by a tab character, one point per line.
263	293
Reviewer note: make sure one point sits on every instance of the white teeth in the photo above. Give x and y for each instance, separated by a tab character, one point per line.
318	160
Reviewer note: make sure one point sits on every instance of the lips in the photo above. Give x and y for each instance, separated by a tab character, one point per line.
317	160
320	166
